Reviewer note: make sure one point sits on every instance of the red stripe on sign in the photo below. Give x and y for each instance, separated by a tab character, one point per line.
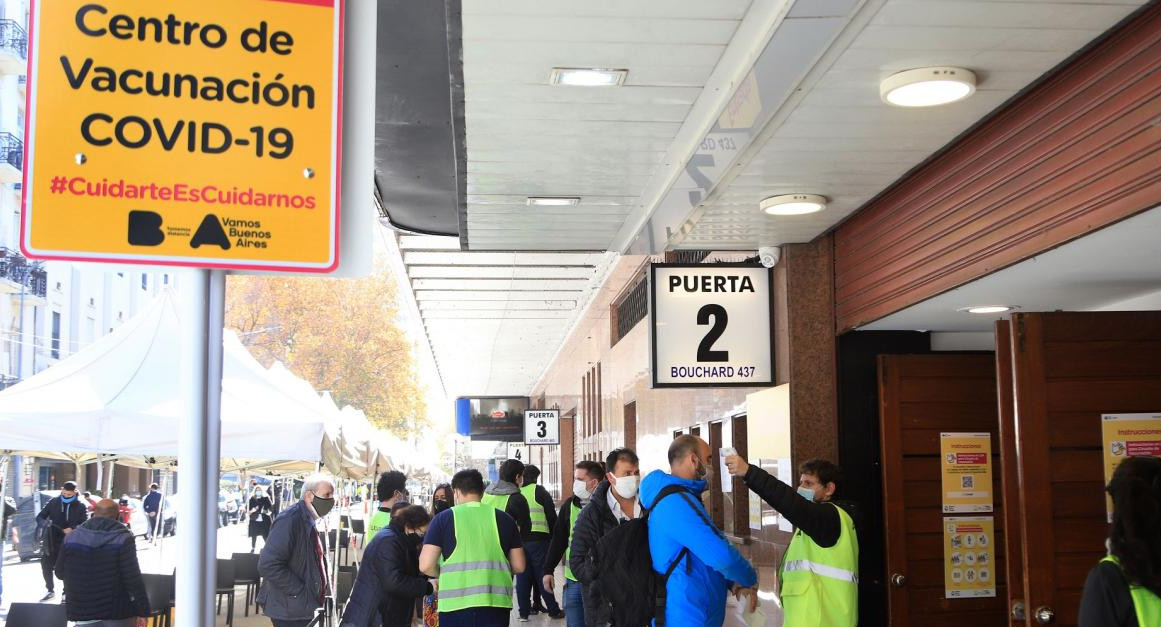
317	3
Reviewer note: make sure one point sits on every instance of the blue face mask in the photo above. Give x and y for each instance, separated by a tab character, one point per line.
806	493
68	499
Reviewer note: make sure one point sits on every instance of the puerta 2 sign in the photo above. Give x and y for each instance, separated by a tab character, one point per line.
711	325
200	133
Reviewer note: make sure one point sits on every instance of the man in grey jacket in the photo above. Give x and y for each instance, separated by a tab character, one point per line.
293	563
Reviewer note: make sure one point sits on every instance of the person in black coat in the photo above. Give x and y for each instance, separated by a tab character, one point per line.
259	510
98	565
293	564
59	517
152	506
389	583
607	509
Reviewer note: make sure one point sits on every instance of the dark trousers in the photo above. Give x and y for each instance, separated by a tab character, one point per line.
47	563
533	575
289	623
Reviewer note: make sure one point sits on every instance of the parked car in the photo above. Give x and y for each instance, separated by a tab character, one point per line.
133	515
240	502
227	509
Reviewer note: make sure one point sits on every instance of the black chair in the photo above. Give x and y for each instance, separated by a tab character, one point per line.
343	587
246	574
359	530
344	522
344	544
225	588
160	591
37	615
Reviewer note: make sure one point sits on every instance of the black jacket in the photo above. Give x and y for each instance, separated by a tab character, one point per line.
517	506
560	533
102	580
1106	601
389	582
58	516
820	521
595	520
152	502
292	583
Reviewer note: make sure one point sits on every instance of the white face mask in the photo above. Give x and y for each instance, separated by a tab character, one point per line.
627	486
580	490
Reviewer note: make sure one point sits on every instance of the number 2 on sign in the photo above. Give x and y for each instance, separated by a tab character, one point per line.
705	351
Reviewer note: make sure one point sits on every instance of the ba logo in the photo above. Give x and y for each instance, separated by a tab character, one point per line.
210	232
145	228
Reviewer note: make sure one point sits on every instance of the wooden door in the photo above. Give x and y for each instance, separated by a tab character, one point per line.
716	498
920	397
631	425
1009	475
740	494
1069	369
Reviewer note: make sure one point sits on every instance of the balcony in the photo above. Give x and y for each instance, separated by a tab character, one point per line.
13	48
19	275
11	158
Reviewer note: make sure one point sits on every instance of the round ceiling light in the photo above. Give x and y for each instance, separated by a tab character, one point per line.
927	86
987	309
793	204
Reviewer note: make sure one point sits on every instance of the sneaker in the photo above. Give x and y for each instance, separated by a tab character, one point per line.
539	609
556	614
523	619
48	596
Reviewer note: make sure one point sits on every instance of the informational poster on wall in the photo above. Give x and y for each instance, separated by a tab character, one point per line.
966	460
969	557
1128	435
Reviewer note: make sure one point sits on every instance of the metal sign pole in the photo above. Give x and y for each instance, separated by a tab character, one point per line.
199	446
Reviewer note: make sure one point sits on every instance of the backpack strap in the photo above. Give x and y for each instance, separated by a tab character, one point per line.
684	552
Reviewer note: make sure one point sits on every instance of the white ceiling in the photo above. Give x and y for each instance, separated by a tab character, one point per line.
527	138
494	320
1118	267
839	140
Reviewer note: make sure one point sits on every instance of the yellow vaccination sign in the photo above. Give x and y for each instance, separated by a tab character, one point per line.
200	133
969	557
1128	435
966	462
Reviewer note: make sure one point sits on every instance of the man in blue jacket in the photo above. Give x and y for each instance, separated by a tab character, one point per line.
680	528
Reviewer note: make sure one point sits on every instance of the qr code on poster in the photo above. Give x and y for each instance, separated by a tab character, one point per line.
968	481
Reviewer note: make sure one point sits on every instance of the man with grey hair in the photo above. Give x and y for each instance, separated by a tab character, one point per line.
293	563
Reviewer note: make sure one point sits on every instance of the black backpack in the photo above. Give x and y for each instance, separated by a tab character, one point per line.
628	583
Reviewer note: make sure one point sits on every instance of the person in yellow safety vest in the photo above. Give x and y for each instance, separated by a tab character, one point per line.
586	477
474	549
505	496
542	512
1124	589
819	578
392	489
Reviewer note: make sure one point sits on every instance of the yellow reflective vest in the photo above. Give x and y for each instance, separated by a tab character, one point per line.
821	586
1145	601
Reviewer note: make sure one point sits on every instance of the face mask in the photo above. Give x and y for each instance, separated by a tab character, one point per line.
580	490
441	505
417	538
806	493
627	486
68	499
322	506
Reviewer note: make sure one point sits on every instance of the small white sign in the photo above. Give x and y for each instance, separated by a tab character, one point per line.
711	325
542	426
518	451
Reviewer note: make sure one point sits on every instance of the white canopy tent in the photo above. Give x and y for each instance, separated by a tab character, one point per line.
120	395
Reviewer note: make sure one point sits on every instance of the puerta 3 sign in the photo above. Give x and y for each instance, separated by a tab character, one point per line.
209	130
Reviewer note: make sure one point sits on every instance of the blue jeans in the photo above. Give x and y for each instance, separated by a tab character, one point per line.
535	551
574	604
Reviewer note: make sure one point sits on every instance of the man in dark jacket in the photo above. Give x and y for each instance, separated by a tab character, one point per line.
152	506
614	502
59	517
98	565
542	512
293	563
586	477
389	582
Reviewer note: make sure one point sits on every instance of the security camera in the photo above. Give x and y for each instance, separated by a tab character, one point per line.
769	255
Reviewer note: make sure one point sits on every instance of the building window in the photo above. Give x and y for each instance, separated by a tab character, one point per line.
55	335
165	279
144	281
630	308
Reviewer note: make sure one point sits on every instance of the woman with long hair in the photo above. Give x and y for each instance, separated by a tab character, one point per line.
441	499
1124	590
